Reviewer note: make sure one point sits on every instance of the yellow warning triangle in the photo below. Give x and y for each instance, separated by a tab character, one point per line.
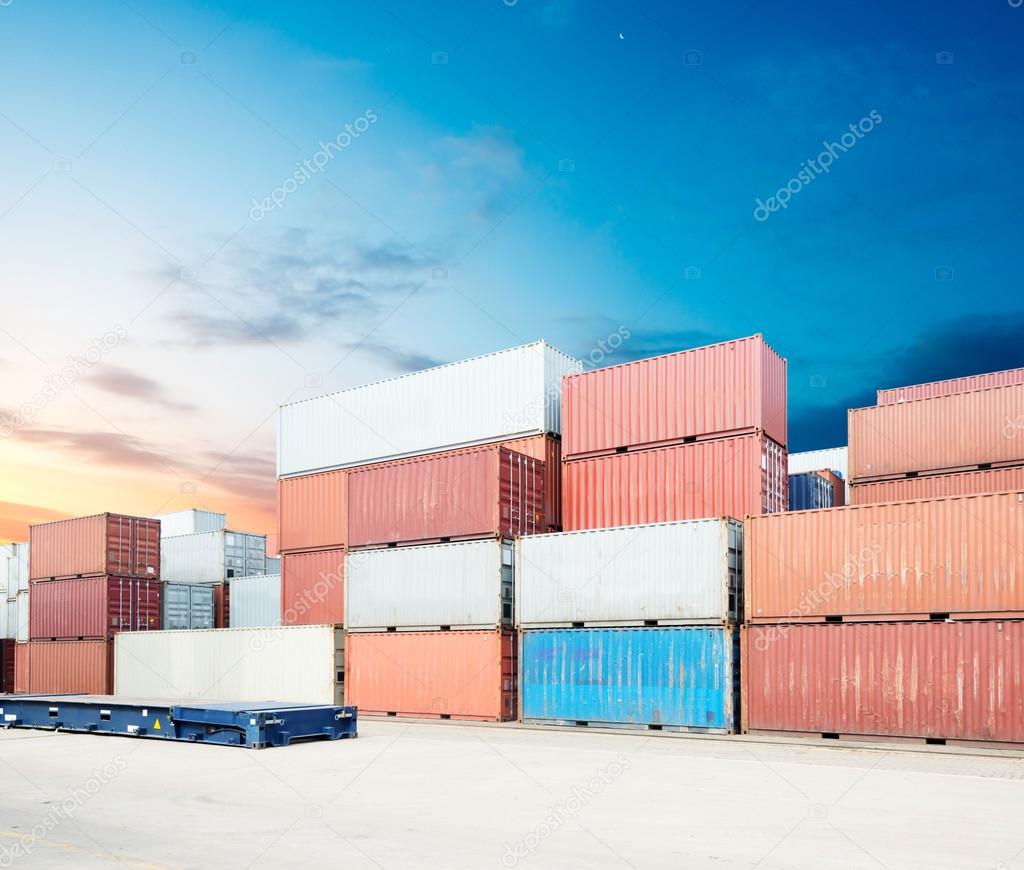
156	727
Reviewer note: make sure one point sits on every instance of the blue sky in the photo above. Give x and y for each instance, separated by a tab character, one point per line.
533	169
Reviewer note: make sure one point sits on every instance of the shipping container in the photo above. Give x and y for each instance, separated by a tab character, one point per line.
933	680
21	668
273	565
213	557
114	544
222	605
683	677
8	618
839	496
190	522
732	388
301	665
950	387
459	585
810	491
954	557
939	485
953	433
22	610
440	674
273	545
313	588
93	607
509	394
188	606
7	664
312	511
256	601
486	492
548	449
14	569
69	666
729	477
689	572
835	459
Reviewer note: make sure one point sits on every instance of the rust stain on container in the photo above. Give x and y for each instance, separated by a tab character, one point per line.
85	666
115	544
954	555
939	485
951	386
725	477
730	388
920	436
456	674
313	587
93	607
940	680
312	511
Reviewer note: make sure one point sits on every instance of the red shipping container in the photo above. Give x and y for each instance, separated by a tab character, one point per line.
7	666
21	668
71	666
957	556
938	680
733	477
939	485
93	607
222	605
548	449
313	588
486	492
273	548
443	674
112	544
312	511
950	386
838	486
951	433
732	388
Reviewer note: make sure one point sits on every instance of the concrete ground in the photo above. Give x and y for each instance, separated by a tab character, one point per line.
448	795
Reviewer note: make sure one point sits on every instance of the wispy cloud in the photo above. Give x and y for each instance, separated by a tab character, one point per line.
123	382
399	359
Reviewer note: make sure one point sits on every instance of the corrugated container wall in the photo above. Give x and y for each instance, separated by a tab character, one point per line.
294	664
950	556
312	511
682	677
313	588
502	395
459	585
94	607
212	557
733	388
671	572
834	458
188	606
726	477
69	666
21	668
487	492
950	387
839	487
810	491
113	544
256	601
190	522
8	667
939	485
451	674
22	610
14	569
956	432
940	680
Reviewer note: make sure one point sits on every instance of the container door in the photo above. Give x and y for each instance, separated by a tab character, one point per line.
176	606
201	611
507	582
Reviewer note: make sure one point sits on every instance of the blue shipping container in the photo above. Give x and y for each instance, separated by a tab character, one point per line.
683	677
810	491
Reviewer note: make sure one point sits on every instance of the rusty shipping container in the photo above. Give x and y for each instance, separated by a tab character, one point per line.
313	588
938	680
488	492
954	433
78	666
939	485
7	664
439	674
956	556
312	511
94	607
732	388
727	477
115	544
951	386
222	605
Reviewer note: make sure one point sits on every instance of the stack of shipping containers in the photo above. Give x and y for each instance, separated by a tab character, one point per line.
429	472
13	611
90	578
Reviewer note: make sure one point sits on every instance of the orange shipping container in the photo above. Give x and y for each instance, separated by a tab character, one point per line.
950	386
957	556
839	492
312	511
726	477
82	666
313	588
444	674
954	433
21	668
939	485
115	544
731	388
938	680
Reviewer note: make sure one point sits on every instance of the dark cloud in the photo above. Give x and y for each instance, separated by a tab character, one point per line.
122	382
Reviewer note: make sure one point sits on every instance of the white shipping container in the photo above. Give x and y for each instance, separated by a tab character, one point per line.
300	664
21	633
13	569
211	557
459	585
190	522
255	601
273	564
832	458
660	574
8	619
502	395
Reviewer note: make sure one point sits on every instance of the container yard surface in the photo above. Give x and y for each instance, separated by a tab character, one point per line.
412	795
